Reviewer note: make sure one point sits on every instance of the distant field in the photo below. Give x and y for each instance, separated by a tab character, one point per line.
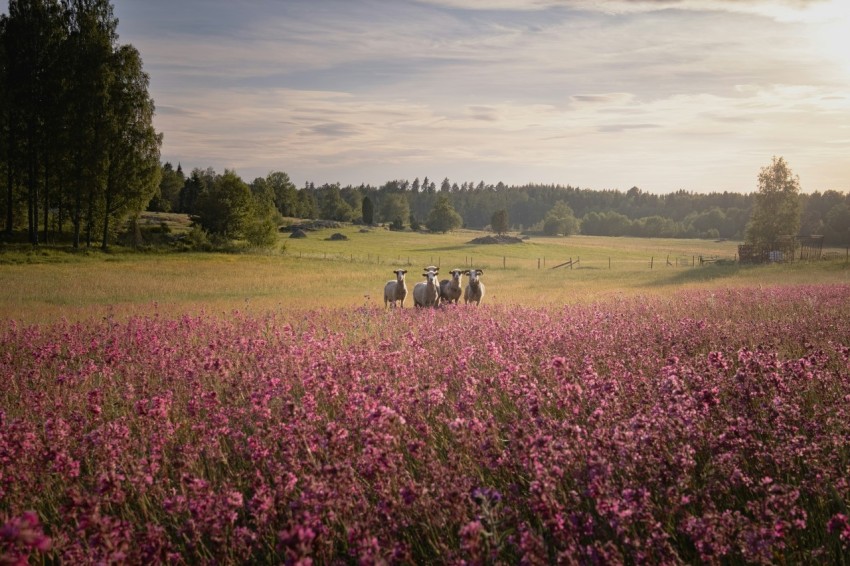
313	272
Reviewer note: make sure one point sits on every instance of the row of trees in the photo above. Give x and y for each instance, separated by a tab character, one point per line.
78	150
548	209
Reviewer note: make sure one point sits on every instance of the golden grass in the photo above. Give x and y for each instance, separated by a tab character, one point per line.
316	273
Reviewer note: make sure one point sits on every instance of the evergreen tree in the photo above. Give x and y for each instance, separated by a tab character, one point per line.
499	222
167	198
443	217
368	211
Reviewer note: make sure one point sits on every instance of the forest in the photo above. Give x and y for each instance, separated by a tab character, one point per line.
406	204
80	161
78	151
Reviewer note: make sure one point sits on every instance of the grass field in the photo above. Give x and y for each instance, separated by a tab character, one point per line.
302	274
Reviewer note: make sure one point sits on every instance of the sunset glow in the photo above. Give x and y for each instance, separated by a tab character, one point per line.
663	95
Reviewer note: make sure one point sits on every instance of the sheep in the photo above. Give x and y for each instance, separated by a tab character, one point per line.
427	293
395	290
451	289
435	270
474	291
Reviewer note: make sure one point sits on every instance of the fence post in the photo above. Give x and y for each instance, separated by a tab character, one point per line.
609	263
538	263
651	261
503	262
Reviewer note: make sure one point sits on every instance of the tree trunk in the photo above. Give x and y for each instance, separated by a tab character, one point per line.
61	206
46	196
90	216
32	199
10	178
105	241
78	203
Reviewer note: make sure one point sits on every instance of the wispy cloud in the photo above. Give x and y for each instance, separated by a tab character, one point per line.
662	94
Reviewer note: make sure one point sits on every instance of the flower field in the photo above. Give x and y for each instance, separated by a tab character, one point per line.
711	426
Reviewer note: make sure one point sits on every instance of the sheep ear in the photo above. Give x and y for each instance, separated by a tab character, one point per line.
404	271
480	271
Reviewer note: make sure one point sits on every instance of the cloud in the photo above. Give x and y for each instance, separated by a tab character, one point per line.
783	10
603	99
563	91
616	128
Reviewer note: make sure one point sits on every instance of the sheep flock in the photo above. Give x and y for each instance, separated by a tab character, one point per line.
432	292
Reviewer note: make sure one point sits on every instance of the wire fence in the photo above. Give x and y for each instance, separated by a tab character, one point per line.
665	261
596	262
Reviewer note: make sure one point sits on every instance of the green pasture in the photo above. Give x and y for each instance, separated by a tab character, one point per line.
44	285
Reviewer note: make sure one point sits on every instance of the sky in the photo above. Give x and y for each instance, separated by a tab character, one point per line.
599	94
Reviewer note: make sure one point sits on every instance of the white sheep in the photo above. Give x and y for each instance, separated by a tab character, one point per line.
427	293
436	271
395	290
474	291
451	289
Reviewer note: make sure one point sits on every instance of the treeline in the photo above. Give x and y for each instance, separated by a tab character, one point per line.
530	208
78	151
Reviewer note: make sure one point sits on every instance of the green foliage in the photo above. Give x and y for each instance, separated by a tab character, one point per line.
332	206
224	210
394	209
443	217
560	220
499	222
776	213
230	211
415	225
285	193
77	110
837	224
368	211
167	197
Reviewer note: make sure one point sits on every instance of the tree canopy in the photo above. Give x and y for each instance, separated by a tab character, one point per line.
78	143
776	211
443	217
499	222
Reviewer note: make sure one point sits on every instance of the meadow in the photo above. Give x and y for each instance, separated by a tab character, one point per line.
211	408
305	274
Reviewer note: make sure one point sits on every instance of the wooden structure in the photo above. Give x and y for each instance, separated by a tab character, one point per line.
811	247
781	251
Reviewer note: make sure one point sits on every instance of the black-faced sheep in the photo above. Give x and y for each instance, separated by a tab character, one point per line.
395	290
427	293
474	291
451	289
